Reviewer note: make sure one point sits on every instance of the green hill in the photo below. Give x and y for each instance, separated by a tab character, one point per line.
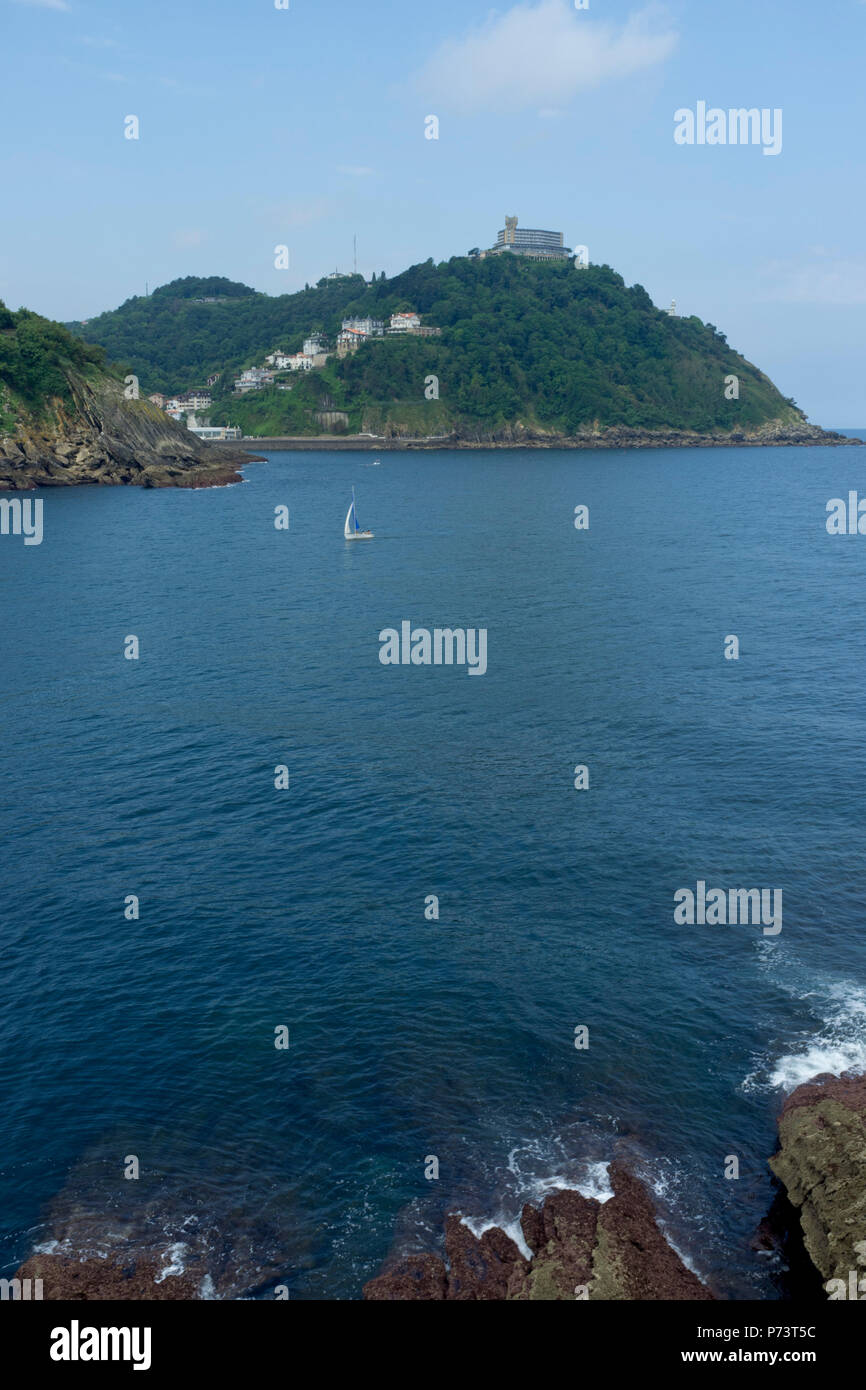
38	359
558	349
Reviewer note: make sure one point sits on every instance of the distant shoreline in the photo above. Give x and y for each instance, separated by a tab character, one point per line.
618	437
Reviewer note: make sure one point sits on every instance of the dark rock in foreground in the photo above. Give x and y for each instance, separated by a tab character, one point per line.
581	1248
133	1277
822	1164
108	439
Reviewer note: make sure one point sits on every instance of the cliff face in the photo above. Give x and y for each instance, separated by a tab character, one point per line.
105	438
581	1248
822	1163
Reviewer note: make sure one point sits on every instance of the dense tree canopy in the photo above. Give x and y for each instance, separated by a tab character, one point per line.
547	344
37	355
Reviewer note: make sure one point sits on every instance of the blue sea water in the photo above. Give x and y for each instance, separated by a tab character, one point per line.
304	907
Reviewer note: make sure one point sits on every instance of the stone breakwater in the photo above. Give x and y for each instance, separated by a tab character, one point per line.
581	1248
107	439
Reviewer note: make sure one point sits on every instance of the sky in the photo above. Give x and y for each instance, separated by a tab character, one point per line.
261	126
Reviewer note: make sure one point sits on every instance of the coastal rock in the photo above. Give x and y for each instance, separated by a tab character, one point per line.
132	1277
611	1250
417	1277
109	440
481	1269
822	1164
776	434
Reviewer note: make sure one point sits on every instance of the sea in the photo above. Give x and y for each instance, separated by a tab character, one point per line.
302	951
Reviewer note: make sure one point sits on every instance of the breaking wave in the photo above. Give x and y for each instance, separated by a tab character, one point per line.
832	1037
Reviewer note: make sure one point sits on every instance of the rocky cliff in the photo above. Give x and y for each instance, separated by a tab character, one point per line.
101	437
581	1248
822	1164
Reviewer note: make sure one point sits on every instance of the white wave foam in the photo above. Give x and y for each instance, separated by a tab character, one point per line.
683	1254
48	1247
590	1179
594	1182
838	1042
791	1071
174	1255
510	1225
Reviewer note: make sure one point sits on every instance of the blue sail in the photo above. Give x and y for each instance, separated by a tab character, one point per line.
352	527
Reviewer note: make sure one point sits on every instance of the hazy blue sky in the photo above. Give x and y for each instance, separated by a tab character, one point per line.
261	126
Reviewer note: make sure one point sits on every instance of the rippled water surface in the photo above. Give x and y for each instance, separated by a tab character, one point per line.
305	907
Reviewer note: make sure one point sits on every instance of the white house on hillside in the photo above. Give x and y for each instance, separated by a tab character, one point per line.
404	323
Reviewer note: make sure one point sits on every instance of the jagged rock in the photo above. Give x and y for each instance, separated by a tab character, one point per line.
562	1237
110	440
632	1259
822	1163
612	1250
480	1269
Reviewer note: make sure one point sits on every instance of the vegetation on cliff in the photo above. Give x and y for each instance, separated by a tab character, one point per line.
557	348
65	419
38	360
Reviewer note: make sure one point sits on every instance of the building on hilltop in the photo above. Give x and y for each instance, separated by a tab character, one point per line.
529	241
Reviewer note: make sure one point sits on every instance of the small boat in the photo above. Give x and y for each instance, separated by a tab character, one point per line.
352	530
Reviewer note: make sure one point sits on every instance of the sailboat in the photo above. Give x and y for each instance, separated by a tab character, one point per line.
352	530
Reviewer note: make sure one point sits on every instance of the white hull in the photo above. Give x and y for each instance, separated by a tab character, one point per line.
350	530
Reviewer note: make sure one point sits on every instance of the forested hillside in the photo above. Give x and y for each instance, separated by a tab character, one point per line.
549	345
37	358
